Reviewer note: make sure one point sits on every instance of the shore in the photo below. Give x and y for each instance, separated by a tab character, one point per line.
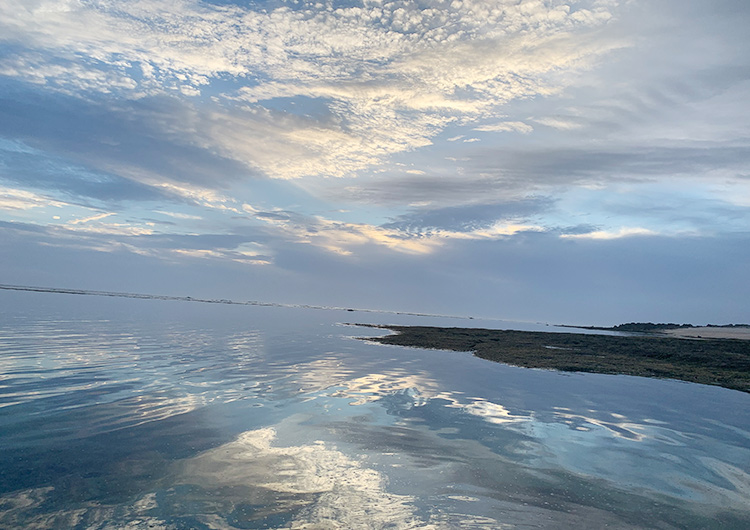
739	333
723	362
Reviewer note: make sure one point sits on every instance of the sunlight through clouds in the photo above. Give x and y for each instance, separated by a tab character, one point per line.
343	238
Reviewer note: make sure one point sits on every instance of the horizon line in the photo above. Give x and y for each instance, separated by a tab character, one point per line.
142	296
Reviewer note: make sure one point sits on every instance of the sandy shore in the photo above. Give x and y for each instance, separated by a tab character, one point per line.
710	333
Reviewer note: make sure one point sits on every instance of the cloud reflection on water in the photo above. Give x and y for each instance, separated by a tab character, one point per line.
208	425
322	486
617	426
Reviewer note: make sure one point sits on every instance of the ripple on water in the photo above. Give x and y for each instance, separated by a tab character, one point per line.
235	418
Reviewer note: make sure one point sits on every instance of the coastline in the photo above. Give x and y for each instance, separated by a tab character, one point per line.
687	331
711	332
722	362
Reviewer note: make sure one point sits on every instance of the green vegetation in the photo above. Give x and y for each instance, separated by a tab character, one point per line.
722	362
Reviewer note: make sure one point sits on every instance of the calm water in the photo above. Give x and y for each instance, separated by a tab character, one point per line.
151	414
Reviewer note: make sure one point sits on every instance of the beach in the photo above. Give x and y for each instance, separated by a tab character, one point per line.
711	332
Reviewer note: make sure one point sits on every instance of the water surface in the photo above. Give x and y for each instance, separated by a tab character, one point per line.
160	414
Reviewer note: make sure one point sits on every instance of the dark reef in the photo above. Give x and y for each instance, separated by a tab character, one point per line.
722	362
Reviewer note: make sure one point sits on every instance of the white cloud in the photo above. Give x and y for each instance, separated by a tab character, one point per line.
178	215
65	76
197	194
565	123
392	76
15	199
506	126
606	234
89	219
346	238
242	254
111	229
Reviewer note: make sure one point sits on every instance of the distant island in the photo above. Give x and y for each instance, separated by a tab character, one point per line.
650	327
715	361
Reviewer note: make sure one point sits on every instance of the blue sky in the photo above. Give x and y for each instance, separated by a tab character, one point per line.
565	161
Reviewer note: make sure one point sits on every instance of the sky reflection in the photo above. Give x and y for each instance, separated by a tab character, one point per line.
230	417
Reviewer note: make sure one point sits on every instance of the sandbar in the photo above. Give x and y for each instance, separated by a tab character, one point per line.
711	332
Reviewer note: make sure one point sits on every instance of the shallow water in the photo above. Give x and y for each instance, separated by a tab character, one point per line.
154	414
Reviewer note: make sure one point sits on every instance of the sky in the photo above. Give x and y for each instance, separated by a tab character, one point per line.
577	162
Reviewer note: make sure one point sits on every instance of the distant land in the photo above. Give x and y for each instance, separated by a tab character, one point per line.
723	362
650	327
645	349
140	296
685	331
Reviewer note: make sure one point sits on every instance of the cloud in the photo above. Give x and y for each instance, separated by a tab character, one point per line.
506	126
58	173
249	254
128	239
559	122
533	275
351	131
437	187
15	199
89	219
128	151
268	232
391	76
348	239
471	216
67	76
339	237
542	166
604	234
505	174
179	215
109	229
